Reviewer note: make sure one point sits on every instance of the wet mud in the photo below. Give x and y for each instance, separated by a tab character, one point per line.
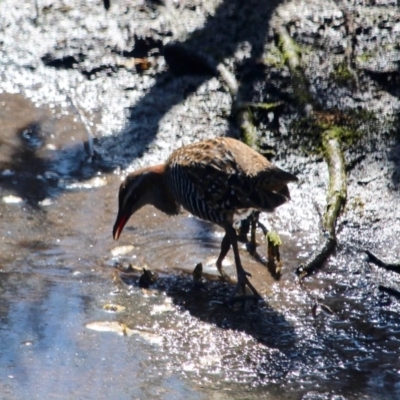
74	321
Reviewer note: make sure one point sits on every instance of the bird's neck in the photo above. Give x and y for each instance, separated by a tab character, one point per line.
161	196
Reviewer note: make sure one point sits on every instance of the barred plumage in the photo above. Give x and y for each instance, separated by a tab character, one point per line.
186	194
215	180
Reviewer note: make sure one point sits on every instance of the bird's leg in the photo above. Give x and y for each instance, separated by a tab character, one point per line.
225	245
252	245
241	273
255	223
244	229
263	228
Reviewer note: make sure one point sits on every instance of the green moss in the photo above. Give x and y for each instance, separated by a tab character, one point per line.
349	128
274	238
247	128
363	58
356	205
337	188
291	54
265	106
342	75
290	50
274	58
343	134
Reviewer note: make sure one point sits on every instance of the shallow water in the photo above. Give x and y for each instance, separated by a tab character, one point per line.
176	339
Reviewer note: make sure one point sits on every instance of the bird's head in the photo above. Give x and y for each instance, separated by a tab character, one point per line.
134	193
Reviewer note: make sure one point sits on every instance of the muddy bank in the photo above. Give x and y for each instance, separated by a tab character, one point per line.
87	95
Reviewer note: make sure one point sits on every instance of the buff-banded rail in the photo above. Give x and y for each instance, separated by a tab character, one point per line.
219	180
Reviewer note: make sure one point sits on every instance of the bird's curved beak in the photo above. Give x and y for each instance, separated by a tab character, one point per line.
122	219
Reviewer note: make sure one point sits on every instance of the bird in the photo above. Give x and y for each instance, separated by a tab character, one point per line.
220	180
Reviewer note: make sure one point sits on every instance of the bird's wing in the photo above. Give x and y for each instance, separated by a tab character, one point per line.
223	186
226	180
213	177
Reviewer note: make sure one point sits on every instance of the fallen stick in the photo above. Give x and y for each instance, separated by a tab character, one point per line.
336	197
337	189
395	267
389	291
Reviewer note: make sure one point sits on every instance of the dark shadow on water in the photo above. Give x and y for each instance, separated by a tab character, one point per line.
264	324
330	356
208	301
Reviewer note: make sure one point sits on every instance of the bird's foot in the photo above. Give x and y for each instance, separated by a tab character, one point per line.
242	283
224	276
247	274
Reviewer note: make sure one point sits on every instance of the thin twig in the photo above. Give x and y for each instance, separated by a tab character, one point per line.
395	267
